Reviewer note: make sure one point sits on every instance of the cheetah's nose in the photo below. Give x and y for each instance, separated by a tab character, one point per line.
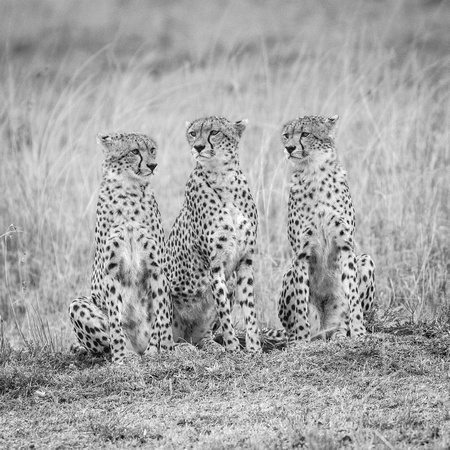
152	167
290	148
199	148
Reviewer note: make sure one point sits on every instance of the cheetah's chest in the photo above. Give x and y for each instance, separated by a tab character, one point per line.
133	215
240	232
316	203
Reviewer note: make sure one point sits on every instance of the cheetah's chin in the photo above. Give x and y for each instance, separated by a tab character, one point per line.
145	174
296	159
202	158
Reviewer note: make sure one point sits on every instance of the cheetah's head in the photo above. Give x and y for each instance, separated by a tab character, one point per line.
214	140
310	140
129	154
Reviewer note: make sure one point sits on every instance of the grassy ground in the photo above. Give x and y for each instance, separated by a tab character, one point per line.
380	392
69	69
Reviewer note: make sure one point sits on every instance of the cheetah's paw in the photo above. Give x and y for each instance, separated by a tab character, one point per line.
78	349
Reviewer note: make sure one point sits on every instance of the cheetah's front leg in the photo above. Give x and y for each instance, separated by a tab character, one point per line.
366	284
349	282
245	296
116	334
161	327
293	304
219	291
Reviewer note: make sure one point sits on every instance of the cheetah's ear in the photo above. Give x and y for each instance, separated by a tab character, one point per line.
187	124
332	125
240	126
333	119
104	139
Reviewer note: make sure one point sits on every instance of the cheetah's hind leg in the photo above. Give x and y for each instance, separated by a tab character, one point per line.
90	324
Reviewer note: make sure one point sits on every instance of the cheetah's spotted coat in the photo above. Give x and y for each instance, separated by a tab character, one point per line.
213	239
326	287
129	302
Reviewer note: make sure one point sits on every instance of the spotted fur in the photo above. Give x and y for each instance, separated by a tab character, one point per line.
212	242
129	305
322	292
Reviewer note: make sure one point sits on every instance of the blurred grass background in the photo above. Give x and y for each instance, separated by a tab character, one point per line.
69	69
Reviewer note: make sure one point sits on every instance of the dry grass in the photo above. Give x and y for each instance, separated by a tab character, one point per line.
377	393
72	68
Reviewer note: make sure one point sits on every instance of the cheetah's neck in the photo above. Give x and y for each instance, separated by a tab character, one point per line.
125	183
123	189
221	179
313	174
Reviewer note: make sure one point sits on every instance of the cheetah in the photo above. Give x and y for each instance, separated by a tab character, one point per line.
210	249
326	288
129	307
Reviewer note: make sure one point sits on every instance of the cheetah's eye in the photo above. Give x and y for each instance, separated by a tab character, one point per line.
214	132
135	151
286	135
192	133
305	134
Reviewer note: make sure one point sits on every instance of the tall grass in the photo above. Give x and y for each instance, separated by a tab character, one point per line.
152	70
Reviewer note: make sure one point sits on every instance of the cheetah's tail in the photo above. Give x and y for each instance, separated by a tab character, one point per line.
271	339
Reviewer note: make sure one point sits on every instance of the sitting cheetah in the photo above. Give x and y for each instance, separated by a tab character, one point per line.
327	287
212	242
129	293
